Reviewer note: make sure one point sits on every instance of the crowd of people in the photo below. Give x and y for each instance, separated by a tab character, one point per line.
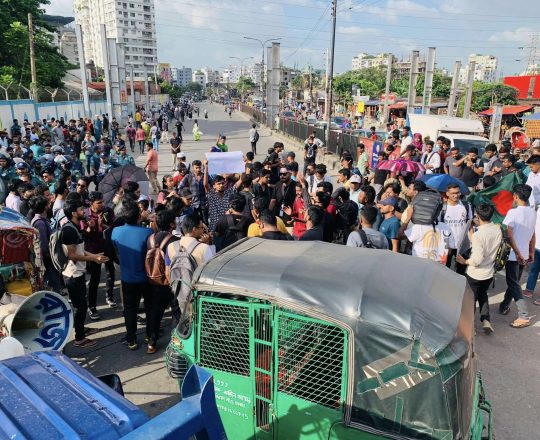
199	213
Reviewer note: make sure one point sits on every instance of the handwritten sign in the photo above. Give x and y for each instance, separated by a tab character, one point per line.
231	162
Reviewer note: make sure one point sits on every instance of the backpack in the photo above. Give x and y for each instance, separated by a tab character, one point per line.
154	263
256	136
503	252
59	257
346	218
365	239
181	273
427	208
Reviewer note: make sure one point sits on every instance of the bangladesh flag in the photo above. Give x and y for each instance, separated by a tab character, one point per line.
499	195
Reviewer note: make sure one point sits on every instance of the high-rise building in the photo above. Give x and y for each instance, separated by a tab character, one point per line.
131	23
231	75
485	69
68	45
199	77
182	77
210	76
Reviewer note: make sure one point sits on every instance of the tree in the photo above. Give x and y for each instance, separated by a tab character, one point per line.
485	94
51	65
441	85
194	87
244	85
174	91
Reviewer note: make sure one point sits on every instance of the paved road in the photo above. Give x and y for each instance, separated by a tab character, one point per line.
507	359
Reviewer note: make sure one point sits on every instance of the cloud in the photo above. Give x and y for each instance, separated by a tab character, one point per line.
357	30
522	34
60	7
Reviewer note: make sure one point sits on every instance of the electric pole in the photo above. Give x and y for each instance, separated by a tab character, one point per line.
330	75
32	57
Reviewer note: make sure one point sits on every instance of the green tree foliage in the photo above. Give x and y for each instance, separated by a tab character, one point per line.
372	82
51	66
484	95
244	85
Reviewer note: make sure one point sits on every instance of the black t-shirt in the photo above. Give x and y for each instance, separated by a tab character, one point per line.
469	177
276	235
259	191
175	145
70	235
315	233
284	195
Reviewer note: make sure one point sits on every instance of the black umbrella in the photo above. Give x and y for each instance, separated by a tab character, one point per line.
116	178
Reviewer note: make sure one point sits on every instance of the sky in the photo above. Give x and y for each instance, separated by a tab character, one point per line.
197	33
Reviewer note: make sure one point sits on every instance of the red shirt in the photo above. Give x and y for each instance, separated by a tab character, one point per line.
152	161
298	209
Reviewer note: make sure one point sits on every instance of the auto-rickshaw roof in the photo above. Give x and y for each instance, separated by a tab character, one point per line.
418	297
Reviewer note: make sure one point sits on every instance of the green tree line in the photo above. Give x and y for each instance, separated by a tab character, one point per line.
51	65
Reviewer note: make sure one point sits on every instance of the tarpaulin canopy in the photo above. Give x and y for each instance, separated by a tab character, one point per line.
398	105
508	110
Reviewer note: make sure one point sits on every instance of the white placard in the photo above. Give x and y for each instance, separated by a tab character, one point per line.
231	162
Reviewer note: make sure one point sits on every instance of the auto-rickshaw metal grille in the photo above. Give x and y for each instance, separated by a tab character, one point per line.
224	337
310	360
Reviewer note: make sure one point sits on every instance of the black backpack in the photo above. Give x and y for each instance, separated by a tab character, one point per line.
427	208
235	231
346	218
256	136
365	239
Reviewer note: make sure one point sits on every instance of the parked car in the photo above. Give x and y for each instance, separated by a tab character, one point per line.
288	114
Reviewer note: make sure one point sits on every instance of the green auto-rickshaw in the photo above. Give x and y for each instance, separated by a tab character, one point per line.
309	340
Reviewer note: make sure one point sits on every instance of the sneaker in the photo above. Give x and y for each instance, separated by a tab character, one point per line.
486	325
504	310
85	343
88	331
111	302
93	314
141	320
528	293
132	345
64	292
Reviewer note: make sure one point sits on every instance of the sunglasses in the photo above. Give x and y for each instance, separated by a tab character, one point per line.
283	174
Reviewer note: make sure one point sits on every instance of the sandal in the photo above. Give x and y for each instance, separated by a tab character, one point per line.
151	349
521	323
527	293
536	302
85	343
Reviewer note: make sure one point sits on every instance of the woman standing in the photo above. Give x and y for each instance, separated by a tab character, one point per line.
196	133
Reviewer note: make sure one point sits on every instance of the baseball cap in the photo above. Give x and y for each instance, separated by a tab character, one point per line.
355	178
181	155
390	201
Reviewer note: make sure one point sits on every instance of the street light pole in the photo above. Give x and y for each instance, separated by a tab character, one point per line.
330	75
241	66
262	43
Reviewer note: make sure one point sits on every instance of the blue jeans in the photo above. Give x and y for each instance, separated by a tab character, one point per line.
533	272
155	142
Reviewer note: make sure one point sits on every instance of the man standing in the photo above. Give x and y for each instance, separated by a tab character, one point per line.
310	152
130	243
456	215
314	218
480	265
390	225
284	194
151	166
431	159
176	146
449	167
253	138
131	132
473	168
74	273
366	236
533	180
179	128
520	227
194	181
218	198
363	159
98	218
406	138
493	166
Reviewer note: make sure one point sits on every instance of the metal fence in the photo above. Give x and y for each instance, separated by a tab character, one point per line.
340	139
13	91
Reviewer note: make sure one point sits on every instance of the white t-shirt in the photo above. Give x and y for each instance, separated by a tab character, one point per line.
433	159
533	180
405	142
456	219
429	242
522	220
13	201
